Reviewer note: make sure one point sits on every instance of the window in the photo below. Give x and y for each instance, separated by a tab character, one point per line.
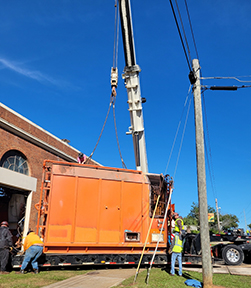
15	161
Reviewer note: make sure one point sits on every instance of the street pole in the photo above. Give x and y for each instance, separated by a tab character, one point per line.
201	180
246	227
217	212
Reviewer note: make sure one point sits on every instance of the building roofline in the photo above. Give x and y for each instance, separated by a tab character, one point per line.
29	137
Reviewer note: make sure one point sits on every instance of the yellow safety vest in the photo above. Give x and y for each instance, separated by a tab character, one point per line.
176	228
178	247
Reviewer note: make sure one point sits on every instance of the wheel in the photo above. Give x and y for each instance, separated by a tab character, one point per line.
232	255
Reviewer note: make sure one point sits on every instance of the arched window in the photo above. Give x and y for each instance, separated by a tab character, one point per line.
15	160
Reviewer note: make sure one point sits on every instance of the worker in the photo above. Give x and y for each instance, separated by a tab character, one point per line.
33	248
179	224
247	232
5	246
176	251
81	158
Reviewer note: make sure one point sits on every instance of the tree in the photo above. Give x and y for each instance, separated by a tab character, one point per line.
193	217
249	225
229	221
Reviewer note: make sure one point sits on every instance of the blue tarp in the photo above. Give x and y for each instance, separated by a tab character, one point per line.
193	283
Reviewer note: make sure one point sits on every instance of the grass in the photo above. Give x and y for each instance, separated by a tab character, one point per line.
161	279
44	278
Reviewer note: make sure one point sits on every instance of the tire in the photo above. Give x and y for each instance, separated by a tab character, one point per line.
232	255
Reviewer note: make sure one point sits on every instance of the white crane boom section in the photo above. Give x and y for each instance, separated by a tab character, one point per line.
132	83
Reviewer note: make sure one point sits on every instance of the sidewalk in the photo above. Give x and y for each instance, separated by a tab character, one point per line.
99	278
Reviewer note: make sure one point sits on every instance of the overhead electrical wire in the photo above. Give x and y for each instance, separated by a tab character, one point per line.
235	78
181	39
209	151
190	23
227	88
184	33
182	138
177	130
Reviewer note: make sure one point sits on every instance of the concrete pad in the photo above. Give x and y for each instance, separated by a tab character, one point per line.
98	278
244	271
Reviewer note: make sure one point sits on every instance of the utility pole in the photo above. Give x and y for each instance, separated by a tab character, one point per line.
246	227
201	180
217	212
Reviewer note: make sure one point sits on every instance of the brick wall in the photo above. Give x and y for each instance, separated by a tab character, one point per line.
35	154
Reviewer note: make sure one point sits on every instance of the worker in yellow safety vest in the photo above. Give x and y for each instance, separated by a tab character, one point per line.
179	224
176	250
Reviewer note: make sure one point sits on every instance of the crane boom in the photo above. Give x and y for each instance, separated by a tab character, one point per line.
131	78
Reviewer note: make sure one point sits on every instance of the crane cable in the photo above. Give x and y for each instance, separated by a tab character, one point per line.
114	83
116	35
111	101
114	118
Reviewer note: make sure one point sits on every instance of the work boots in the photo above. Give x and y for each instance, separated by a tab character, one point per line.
35	271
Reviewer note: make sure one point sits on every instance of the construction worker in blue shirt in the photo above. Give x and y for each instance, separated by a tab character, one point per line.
176	250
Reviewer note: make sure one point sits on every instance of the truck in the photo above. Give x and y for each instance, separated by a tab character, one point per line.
233	247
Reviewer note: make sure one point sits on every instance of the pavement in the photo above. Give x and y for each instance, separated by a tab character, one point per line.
112	277
99	278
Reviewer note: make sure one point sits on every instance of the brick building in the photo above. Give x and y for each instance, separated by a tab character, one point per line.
23	148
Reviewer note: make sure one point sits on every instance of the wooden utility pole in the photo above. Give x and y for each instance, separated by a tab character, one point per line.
217	212
246	227
201	180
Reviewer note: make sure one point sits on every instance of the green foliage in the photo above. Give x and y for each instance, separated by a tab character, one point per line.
249	225
228	221
193	217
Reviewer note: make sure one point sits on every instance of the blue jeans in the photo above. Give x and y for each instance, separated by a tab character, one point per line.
32	255
174	256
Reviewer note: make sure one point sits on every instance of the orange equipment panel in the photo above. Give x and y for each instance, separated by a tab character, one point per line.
95	209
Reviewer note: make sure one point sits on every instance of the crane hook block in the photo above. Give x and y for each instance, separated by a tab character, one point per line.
114	77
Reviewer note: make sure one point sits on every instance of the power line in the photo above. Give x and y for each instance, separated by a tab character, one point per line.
177	131
235	78
181	39
226	88
190	23
184	33
208	151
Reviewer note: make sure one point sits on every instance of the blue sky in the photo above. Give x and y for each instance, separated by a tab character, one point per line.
55	61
